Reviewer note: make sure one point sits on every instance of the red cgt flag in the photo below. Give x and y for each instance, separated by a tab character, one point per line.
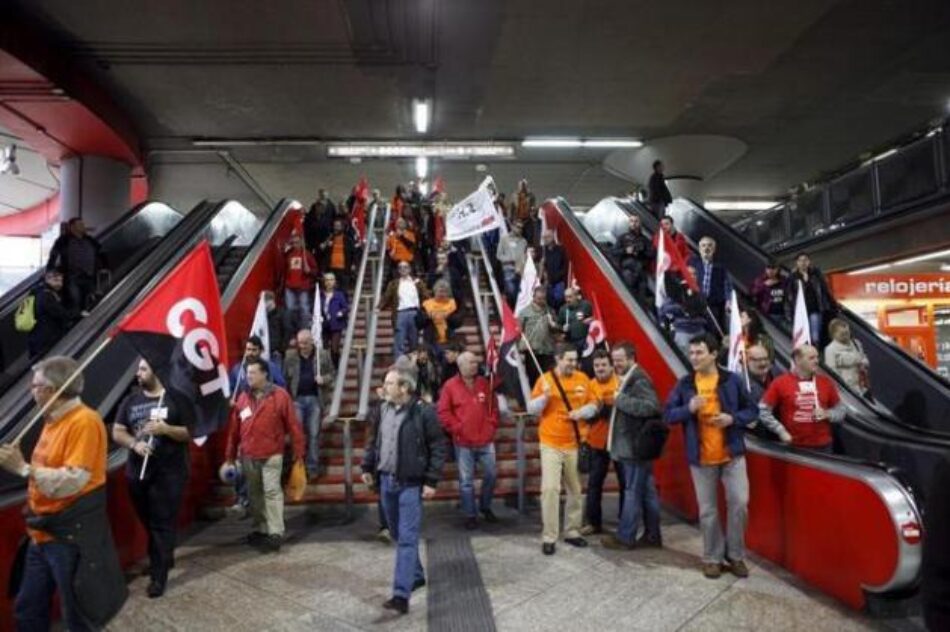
597	331
179	330
508	354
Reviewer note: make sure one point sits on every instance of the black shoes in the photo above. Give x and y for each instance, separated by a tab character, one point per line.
489	516
471	523
155	589
578	542
255	538
271	543
398	604
548	548
649	542
419	583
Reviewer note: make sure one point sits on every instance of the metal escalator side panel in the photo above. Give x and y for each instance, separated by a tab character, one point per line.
804	509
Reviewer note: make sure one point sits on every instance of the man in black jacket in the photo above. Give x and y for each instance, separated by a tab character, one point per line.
633	252
406	450
660	196
79	257
635	403
553	269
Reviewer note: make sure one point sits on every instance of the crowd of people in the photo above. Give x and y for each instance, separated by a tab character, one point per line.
597	408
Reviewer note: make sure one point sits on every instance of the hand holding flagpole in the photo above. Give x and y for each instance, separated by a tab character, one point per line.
151	438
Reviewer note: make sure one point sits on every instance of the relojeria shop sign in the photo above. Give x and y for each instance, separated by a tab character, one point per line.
924	286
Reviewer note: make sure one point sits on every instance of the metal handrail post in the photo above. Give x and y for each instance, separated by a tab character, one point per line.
350	328
373	314
347	468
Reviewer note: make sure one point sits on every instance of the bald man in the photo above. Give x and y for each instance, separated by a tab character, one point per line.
468	410
807	403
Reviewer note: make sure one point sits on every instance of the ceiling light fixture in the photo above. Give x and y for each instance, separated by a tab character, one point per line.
593	143
868	270
421	114
448	151
932	255
422	167
8	161
740	205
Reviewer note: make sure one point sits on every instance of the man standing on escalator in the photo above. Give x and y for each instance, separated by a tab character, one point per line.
150	424
633	253
79	256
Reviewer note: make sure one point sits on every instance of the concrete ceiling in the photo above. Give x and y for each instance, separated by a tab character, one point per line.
807	84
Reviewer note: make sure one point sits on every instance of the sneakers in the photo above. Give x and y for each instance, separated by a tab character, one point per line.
577	542
737	568
614	543
398	604
489	516
548	548
712	570
589	529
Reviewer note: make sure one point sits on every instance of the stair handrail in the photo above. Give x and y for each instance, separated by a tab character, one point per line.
351	325
373	321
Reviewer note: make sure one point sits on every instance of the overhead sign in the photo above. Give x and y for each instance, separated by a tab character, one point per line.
899	286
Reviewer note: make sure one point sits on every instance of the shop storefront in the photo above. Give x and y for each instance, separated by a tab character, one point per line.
912	309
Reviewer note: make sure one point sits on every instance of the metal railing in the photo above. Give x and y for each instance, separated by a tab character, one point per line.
372	322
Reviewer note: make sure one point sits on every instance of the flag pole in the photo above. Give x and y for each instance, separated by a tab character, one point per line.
69	380
151	438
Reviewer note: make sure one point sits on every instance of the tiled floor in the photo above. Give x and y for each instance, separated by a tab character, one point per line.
336	577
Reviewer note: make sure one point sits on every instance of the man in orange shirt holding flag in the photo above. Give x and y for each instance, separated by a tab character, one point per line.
562	398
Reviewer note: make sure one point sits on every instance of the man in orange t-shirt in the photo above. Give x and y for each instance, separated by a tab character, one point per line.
68	462
604	386
559	445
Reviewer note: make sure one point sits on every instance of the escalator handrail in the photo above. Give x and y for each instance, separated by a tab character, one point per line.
355	302
11	299
372	321
899	501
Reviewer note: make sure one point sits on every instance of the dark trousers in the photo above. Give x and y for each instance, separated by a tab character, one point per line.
49	567
599	467
157	501
79	287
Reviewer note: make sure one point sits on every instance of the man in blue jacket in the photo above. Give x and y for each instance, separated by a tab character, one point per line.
714	409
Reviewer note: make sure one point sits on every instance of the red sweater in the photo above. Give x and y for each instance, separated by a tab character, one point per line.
678	240
795	400
464	412
260	425
300	269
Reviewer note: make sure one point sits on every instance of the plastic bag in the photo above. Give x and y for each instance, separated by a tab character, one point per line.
296	482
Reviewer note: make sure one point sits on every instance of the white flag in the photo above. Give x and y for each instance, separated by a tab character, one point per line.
316	325
801	330
474	215
737	351
663	263
259	327
529	281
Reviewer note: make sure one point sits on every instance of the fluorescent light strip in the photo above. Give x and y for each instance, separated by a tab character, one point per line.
932	255
422	166
421	115
740	205
593	143
414	150
871	269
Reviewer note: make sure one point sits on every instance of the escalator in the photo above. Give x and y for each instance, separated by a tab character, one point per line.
846	525
245	252
126	242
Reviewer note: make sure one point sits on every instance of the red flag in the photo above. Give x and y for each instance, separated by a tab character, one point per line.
491	355
596	332
508	367
179	329
677	262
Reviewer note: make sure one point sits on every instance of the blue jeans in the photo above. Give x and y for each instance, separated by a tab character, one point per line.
297	306
49	567
599	468
407	335
556	294
308	412
467	458
403	505
512	283
640	497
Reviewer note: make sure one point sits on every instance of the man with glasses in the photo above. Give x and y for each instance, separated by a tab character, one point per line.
762	372
404	296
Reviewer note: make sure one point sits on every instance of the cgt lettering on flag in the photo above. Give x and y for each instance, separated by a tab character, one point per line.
200	345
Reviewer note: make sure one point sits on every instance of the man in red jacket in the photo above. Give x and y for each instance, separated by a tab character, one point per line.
260	420
468	411
300	271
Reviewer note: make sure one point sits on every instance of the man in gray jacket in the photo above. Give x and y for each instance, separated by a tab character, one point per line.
309	374
635	403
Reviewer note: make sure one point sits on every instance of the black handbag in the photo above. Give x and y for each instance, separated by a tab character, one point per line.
650	439
584	454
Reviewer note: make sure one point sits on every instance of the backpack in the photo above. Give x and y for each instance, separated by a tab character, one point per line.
25	318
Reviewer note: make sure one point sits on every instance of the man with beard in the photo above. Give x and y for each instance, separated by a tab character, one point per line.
150	424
